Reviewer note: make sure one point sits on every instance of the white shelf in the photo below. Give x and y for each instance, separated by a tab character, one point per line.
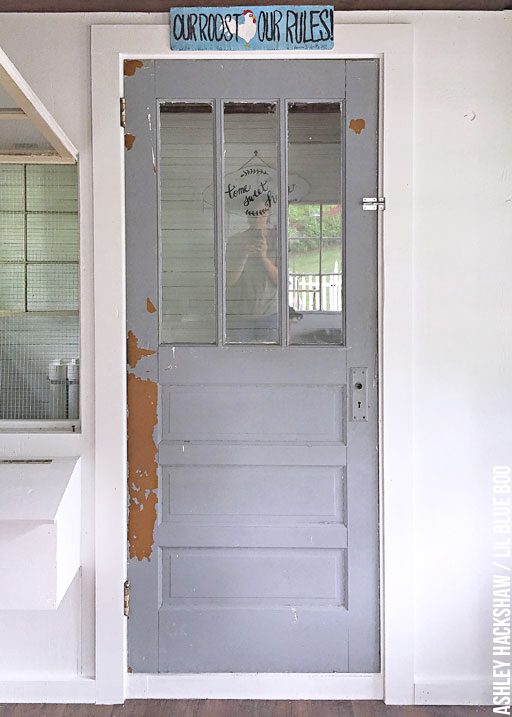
39	532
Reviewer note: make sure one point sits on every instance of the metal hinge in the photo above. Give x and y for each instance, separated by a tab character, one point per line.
371	204
122	112
126	598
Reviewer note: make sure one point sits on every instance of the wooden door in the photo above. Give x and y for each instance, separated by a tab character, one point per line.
252	329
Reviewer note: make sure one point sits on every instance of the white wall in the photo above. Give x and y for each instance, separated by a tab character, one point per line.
462	258
463	254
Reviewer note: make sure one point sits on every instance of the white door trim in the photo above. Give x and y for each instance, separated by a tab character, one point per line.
394	44
256	686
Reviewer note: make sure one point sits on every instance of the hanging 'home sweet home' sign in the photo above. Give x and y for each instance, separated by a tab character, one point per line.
284	27
252	189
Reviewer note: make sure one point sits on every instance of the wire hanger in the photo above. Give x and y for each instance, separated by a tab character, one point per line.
255	157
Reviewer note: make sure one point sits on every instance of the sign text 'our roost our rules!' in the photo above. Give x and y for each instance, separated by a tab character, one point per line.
269	27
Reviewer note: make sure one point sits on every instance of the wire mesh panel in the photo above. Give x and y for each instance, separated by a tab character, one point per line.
39	293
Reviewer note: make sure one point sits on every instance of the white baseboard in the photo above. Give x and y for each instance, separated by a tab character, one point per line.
226	686
75	690
247	686
453	692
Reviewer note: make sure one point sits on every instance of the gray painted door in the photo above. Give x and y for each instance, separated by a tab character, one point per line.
252	351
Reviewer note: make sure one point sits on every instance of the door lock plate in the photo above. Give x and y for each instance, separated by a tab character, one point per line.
373	203
359	394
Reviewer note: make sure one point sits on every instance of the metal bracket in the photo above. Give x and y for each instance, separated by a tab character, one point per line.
371	204
122	112
126	609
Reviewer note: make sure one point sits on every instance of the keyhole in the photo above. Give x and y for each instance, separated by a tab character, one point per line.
359	404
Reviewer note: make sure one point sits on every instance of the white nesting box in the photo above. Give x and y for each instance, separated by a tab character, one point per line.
39	532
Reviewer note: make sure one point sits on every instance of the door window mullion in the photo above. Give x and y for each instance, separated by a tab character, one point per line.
283	221
219	220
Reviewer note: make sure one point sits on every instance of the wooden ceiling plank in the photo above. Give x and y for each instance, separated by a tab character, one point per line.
12	113
164	5
9	158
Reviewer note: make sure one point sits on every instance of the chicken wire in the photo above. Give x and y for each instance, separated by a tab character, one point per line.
39	292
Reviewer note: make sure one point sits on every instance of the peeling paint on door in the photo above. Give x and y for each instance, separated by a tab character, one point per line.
150	307
357	125
133	352
131	67
142	465
129	140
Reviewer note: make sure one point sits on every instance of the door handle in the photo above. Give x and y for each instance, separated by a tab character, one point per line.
359	394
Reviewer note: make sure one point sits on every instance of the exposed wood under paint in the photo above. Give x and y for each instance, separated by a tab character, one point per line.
134	352
131	67
357	125
129	140
142	465
164	5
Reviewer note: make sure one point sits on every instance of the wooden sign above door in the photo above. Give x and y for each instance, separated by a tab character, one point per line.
289	27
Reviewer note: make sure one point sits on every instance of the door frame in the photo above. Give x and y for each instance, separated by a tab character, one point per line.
393	45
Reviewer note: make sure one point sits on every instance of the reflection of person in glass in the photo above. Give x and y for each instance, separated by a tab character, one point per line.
252	279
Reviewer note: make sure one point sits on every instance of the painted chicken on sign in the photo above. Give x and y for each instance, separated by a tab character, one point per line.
246	29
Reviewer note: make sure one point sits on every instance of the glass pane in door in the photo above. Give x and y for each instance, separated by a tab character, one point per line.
251	191
187	226
315	260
